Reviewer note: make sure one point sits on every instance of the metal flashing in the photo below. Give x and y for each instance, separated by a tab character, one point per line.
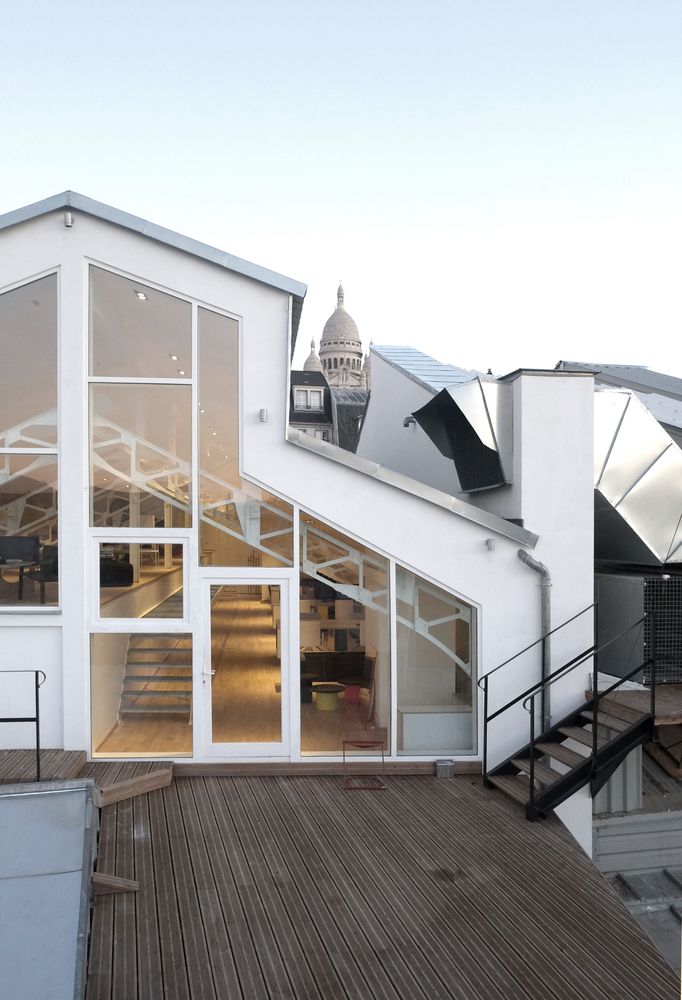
421	368
483	518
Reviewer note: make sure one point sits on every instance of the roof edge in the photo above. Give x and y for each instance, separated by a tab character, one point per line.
97	209
469	512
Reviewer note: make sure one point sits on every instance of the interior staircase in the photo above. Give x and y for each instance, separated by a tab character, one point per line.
158	676
584	747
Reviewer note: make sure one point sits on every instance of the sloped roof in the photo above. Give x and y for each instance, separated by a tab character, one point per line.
429	373
660	393
80	203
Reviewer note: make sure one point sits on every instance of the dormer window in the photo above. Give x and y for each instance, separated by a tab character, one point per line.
308	399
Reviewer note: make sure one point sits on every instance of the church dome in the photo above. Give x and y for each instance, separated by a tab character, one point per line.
312	363
340	325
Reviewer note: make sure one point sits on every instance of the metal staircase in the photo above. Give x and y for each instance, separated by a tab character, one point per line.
158	676
584	747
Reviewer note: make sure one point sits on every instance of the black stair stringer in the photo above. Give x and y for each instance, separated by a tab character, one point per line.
552	735
610	756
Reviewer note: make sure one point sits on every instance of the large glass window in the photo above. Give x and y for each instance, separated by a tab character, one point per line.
28	376
28	445
141	693
137	331
345	640
436	669
241	525
141	451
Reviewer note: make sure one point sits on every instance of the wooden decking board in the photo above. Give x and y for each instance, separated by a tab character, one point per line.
434	888
203	848
212	816
477	936
490	880
326	906
171	944
197	957
102	929
149	965
335	967
125	952
577	908
542	952
326	980
395	893
293	954
368	936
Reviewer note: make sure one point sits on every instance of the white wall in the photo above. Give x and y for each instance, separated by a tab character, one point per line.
31	647
384	439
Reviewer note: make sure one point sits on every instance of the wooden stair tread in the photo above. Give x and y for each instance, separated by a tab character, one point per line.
581	735
561	753
619	709
545	775
662	757
516	787
610	721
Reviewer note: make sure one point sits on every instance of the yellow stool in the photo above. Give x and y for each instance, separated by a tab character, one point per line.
327	696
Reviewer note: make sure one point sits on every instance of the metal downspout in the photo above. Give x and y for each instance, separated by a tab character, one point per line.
545	627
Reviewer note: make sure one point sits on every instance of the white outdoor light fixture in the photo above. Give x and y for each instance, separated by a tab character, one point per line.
263	415
490	544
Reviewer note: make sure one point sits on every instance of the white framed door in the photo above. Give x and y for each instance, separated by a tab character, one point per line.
245	666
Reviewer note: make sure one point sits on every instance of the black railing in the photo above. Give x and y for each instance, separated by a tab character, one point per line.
484	681
38	682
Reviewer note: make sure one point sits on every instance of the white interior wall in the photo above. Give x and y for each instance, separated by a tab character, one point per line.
108	668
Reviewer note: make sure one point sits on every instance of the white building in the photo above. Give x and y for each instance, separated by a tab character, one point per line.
187	571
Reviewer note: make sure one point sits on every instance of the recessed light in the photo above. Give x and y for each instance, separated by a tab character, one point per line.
202	411
174	357
180	371
140	295
215	433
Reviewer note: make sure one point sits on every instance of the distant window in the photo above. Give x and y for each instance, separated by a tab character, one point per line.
315	399
300	399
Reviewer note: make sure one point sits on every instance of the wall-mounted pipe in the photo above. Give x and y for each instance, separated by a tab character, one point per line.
545	629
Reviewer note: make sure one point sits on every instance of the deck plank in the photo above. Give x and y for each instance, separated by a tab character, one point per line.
273	887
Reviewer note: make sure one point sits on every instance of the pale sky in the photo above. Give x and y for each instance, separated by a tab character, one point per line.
497	182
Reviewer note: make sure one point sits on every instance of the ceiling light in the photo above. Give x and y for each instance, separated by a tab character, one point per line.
174	357
215	433
180	371
140	295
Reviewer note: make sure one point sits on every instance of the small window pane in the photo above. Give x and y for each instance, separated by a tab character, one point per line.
137	331
141	580
28	385
29	566
140	456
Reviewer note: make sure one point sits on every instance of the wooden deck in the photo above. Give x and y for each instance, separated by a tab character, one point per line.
20	765
668	702
274	887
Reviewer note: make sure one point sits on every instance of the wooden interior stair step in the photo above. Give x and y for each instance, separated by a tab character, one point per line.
560	752
516	786
545	775
610	721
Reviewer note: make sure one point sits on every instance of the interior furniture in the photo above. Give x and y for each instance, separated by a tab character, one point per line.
327	696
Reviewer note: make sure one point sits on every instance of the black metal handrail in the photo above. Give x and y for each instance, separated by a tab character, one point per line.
484	681
38	683
543	638
596	698
541	686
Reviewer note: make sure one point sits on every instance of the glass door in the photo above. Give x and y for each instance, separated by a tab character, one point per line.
243	670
